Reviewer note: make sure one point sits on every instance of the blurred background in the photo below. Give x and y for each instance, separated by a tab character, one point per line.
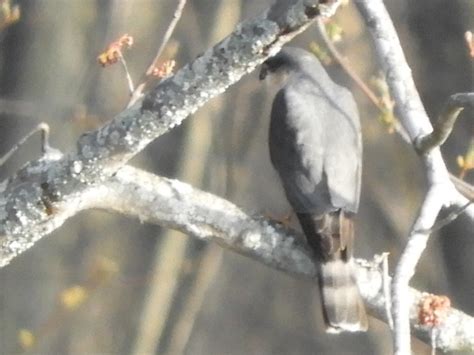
106	284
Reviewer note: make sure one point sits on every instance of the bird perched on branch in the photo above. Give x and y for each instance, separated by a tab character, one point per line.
316	147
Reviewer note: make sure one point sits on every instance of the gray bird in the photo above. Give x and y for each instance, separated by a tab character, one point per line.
316	148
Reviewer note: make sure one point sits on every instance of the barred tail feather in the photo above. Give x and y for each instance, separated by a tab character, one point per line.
331	237
343	309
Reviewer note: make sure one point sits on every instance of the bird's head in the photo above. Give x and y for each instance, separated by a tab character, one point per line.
276	65
281	65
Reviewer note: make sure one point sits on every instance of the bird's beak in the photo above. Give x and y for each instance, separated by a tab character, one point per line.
263	72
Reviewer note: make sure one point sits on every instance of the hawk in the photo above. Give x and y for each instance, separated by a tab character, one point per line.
316	148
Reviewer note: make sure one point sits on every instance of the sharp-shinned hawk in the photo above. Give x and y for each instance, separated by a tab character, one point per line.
316	147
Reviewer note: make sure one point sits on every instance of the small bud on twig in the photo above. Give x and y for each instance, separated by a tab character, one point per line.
114	50
164	70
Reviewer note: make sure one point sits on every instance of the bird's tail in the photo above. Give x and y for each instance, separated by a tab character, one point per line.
331	237
343	309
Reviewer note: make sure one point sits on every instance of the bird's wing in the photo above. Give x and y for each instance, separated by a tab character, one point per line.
343	157
315	145
296	149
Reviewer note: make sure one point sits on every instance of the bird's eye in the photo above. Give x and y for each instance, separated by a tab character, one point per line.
270	67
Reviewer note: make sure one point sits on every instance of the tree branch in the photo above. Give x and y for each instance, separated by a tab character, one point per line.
44	193
441	192
443	127
29	199
179	206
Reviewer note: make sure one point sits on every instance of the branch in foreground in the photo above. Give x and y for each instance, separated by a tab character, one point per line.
30	200
199	214
406	266
441	191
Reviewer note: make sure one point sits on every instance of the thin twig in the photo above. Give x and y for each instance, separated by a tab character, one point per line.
405	270
466	189
131	87
43	128
174	21
433	341
386	289
347	68
356	78
136	94
448	219
443	127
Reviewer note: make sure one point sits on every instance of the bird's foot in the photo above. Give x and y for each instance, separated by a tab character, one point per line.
285	219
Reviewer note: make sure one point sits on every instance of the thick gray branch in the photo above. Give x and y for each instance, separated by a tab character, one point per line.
208	217
30	199
205	216
177	205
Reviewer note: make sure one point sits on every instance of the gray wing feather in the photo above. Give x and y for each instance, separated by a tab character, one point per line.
343	158
315	144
